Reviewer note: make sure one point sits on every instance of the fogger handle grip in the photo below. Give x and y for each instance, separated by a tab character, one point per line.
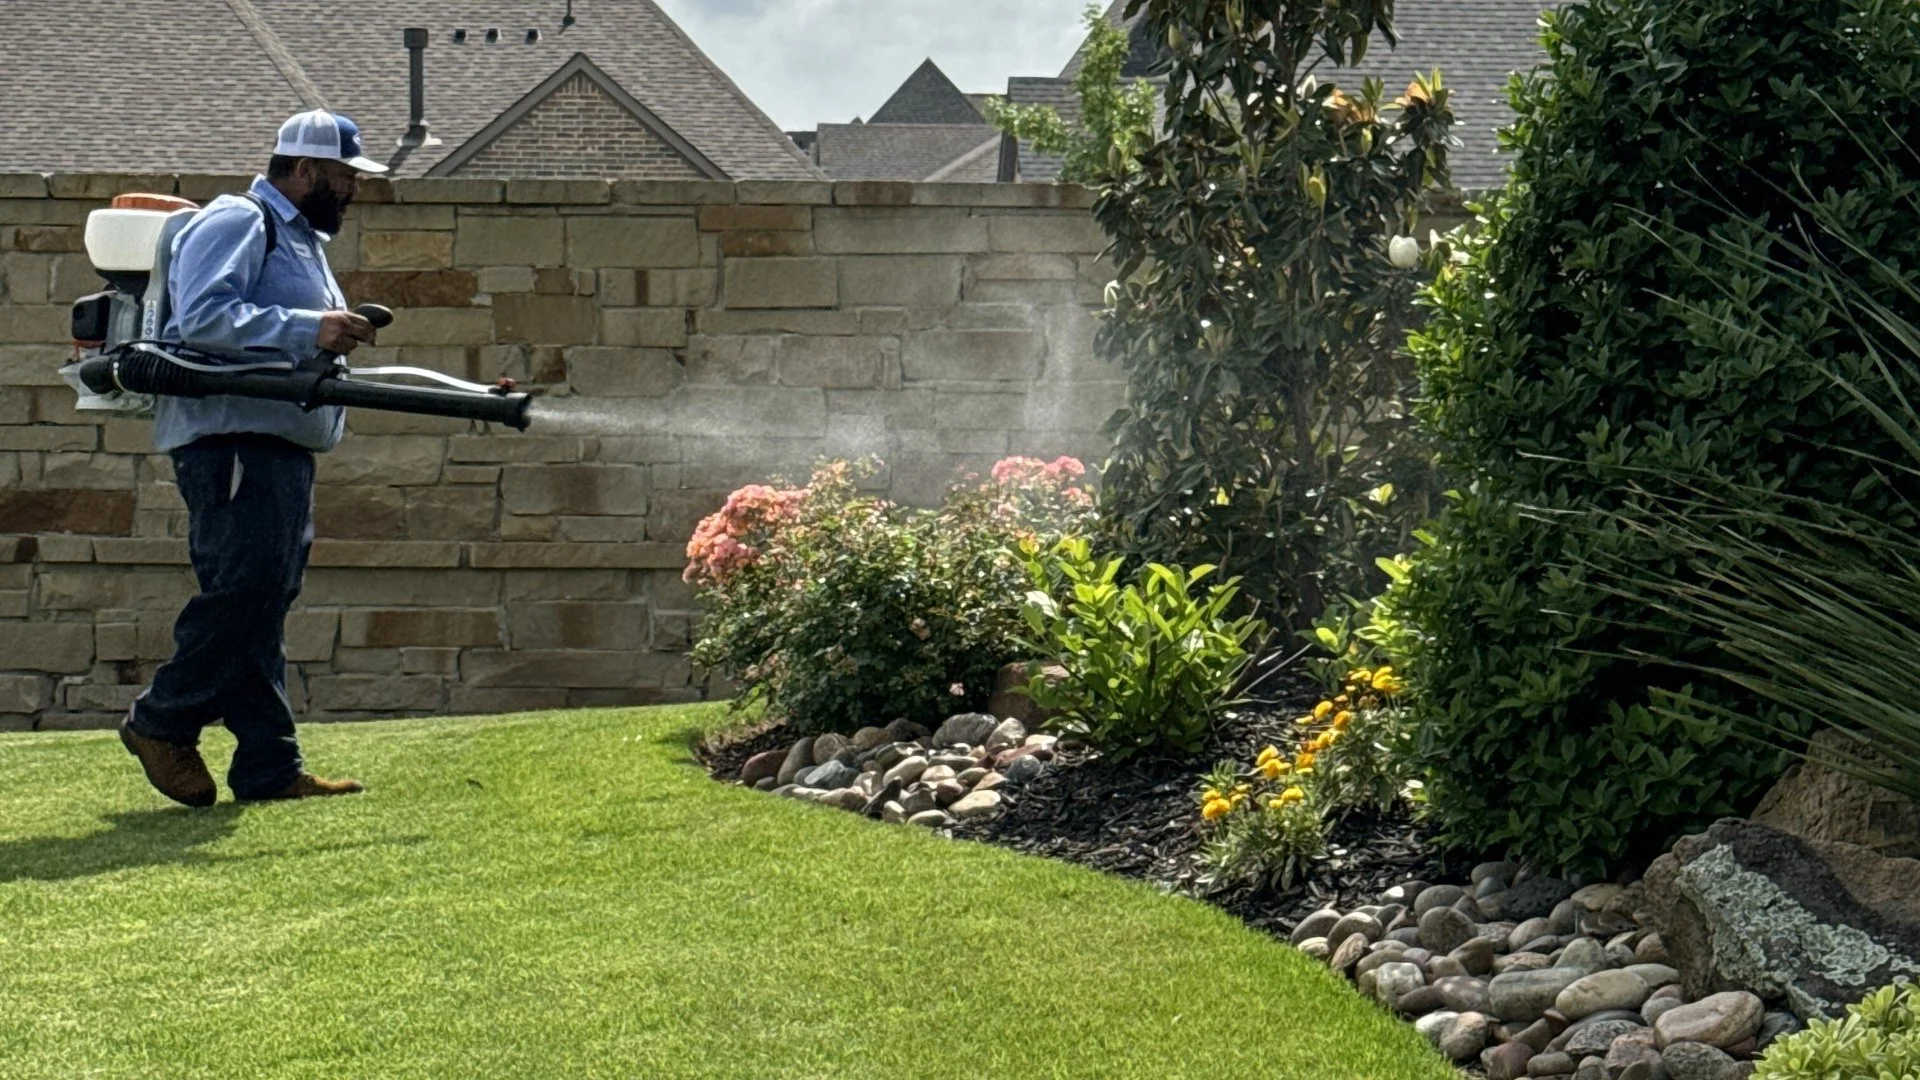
379	316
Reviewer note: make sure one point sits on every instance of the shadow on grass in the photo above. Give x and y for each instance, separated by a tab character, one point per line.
688	739
144	838
137	838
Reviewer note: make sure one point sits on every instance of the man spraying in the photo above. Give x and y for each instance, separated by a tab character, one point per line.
250	282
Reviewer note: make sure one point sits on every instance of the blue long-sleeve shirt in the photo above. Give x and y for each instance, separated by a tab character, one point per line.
228	302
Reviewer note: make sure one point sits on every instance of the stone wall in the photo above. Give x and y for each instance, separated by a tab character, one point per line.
703	335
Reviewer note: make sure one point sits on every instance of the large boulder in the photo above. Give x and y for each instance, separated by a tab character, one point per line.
1821	803
1008	703
1745	906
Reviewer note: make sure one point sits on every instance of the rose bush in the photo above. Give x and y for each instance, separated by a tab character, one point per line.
836	609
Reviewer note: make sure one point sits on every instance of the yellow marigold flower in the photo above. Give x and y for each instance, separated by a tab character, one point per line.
1209	795
1389	686
1305	720
1359	675
1215	810
1292	795
1266	755
1272	768
1321	710
1304	760
1342	720
1343	701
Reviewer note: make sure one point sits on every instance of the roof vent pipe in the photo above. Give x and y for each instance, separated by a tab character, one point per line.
415	39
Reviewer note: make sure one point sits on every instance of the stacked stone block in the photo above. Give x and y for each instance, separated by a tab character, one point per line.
706	335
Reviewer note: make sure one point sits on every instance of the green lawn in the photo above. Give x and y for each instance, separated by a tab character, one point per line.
567	895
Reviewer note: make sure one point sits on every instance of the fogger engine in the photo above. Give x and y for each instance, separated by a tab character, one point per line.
124	364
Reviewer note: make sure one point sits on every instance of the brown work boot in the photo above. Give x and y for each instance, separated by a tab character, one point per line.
174	771
309	786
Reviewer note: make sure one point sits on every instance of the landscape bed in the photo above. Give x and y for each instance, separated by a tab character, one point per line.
1140	820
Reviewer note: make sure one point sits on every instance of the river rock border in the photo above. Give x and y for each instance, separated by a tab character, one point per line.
903	774
1528	976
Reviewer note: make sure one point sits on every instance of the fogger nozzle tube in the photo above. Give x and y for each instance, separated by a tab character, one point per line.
146	373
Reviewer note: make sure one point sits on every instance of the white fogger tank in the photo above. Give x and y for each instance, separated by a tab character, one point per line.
129	243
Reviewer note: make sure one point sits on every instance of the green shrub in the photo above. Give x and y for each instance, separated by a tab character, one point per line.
1878	1040
1568	354
837	609
1149	666
1805	597
1266	278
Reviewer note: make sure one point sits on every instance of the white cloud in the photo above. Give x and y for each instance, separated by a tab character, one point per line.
807	62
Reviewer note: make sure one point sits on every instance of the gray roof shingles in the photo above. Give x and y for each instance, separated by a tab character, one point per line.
1043	91
136	86
927	97
183	85
902	151
1478	45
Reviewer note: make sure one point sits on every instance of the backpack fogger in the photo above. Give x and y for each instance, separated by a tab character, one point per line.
124	363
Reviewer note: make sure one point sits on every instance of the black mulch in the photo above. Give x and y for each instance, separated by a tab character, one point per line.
727	751
1140	820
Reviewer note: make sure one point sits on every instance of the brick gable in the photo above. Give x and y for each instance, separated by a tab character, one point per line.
579	132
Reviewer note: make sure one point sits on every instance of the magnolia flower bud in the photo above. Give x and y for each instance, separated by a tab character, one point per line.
1404	251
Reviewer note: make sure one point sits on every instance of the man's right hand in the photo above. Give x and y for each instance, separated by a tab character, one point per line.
343	331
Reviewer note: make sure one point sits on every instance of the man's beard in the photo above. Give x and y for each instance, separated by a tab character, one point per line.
324	209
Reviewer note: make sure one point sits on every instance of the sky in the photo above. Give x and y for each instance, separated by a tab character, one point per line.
808	62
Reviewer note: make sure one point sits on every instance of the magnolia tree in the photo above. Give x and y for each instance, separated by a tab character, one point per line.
1262	300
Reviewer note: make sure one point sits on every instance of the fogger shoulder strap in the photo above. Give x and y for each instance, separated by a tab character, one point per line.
267	216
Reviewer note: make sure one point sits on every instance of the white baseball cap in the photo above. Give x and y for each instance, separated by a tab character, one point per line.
321	134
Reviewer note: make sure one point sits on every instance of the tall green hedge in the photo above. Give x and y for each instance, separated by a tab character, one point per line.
1588	344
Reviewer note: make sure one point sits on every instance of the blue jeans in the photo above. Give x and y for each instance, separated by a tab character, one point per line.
250	509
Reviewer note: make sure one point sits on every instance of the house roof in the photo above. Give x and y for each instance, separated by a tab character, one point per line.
927	97
907	151
578	65
1043	91
109	85
1476	44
